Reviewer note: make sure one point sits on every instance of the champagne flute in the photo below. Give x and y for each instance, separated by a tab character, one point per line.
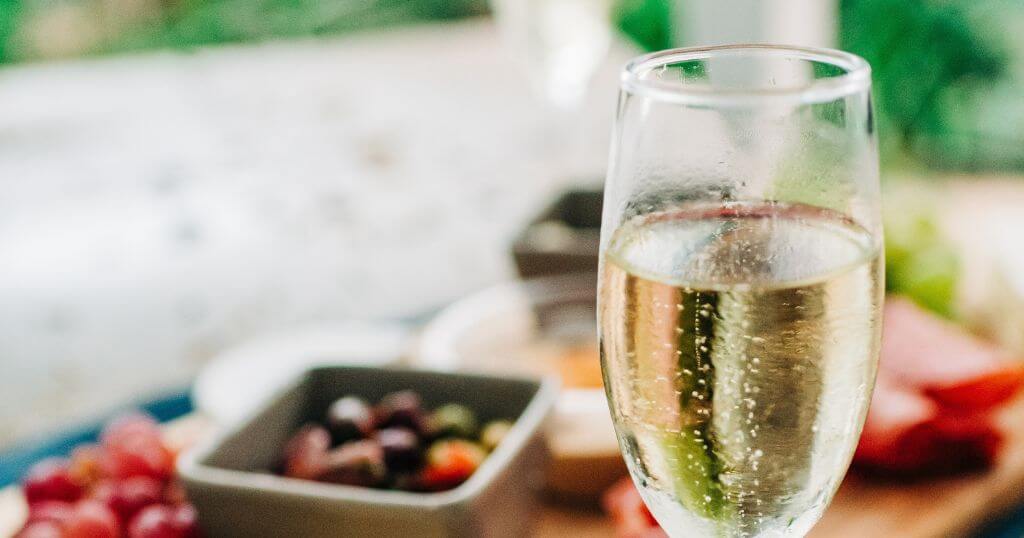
560	43
741	283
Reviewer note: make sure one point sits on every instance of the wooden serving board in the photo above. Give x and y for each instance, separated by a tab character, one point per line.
932	508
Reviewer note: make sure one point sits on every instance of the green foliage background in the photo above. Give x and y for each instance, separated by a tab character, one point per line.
948	76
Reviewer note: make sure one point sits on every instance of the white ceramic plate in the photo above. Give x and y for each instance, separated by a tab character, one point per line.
235	381
496	329
505	329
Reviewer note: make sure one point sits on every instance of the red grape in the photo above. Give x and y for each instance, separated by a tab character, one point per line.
92	519
162	521
155	521
187	521
51	480
139	457
102	491
86	464
125	481
128	496
174	494
41	529
131	426
53	511
134	447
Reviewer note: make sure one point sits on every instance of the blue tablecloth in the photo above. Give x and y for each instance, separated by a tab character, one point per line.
15	461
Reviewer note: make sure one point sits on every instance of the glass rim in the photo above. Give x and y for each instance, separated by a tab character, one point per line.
855	78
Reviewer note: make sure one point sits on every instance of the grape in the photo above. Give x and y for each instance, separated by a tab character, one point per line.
86	466
162	521
401	448
41	529
134	447
127	497
174	494
138	456
156	521
121	478
53	511
453	420
132	426
187	521
51	480
403	409
357	463
305	453
349	418
92	519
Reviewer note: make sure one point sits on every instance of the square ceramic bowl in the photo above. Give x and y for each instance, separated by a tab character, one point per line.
229	481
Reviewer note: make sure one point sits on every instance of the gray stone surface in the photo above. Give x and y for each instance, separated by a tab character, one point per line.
157	208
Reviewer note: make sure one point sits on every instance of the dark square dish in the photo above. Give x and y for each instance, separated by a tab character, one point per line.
564	238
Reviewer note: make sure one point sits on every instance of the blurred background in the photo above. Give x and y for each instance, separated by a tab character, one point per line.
181	176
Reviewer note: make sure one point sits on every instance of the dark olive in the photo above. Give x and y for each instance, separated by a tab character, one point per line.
406	481
402	451
356	463
401	409
349	418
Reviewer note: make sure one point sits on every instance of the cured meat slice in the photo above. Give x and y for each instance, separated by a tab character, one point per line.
907	433
629	514
957	370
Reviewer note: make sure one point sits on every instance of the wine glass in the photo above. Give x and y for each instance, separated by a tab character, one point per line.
560	43
741	283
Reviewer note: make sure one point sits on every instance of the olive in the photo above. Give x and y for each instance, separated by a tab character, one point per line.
493	433
409	481
349	418
401	447
356	463
306	451
401	409
453	420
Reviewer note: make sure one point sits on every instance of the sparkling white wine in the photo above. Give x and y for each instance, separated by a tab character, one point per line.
739	345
